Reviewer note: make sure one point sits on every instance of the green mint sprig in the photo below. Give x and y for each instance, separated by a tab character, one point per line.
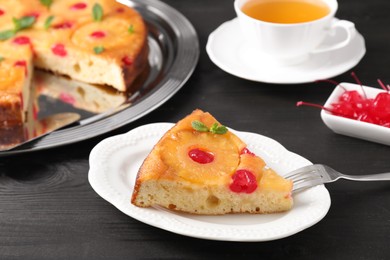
48	22
19	24
46	3
220	130
97	12
98	49
131	29
23	23
199	126
215	128
1	58
5	35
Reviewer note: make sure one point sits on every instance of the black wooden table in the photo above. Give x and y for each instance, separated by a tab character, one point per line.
48	210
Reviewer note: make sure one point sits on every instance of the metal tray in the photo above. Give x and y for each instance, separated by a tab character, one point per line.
174	53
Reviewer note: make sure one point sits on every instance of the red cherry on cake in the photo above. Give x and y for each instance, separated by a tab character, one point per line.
59	50
98	34
246	151
2	12
201	156
64	25
22	40
127	61
78	6
243	181
21	63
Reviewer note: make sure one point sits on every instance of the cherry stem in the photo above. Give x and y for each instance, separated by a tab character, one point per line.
332	82
302	103
359	82
383	85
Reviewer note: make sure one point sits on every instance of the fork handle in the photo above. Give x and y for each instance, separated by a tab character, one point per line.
369	177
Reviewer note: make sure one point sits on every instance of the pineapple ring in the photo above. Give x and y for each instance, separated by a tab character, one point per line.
9	10
115	30
9	74
69	9
225	151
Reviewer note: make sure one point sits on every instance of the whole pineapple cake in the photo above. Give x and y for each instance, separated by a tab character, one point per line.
201	167
94	41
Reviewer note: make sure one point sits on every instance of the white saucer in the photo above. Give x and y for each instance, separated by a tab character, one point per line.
227	49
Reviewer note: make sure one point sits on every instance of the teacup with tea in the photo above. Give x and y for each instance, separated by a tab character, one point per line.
287	31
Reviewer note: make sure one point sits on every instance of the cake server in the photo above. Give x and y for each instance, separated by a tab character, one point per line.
12	136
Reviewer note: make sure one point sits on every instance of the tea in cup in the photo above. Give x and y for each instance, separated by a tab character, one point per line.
287	31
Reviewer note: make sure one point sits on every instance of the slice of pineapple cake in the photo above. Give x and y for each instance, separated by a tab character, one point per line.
201	167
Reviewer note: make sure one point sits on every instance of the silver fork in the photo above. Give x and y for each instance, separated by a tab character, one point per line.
316	174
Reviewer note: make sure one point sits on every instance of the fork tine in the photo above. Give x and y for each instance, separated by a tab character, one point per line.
300	171
305	177
307	184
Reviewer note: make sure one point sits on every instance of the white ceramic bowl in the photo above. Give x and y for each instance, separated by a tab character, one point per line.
351	127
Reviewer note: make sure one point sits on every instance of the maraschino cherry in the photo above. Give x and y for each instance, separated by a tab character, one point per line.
351	104
78	6
246	151
201	156
59	50
243	181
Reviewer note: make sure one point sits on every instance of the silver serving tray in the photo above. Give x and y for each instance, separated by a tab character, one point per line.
174	53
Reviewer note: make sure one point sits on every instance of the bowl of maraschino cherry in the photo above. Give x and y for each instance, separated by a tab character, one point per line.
358	111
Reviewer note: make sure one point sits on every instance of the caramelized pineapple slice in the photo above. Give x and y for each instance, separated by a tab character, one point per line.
252	163
223	151
273	182
11	75
75	9
14	64
10	9
111	33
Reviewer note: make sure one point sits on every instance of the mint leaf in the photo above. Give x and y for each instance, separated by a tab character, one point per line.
98	49
1	58
23	23
5	35
220	130
97	12
19	24
46	3
131	29
199	126
48	22
215	129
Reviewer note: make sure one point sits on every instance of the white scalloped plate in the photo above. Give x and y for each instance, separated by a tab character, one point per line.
115	161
